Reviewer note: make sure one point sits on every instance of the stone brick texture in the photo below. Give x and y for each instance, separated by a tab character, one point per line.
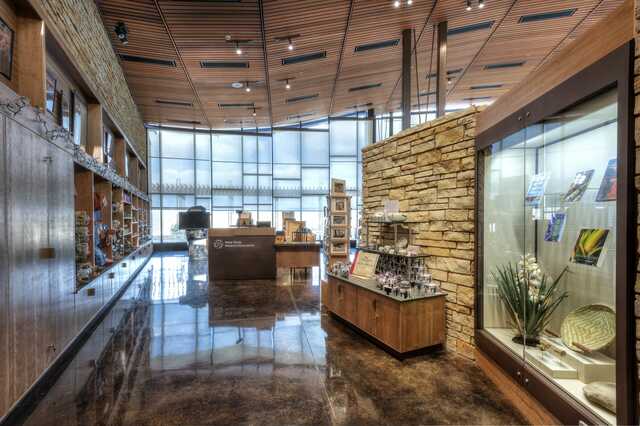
80	31
430	170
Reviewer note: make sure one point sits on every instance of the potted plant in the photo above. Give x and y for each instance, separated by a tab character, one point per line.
530	297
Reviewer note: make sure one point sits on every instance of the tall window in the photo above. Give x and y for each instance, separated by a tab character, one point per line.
289	169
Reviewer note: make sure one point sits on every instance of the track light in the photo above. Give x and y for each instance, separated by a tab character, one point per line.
290	46
396	3
480	4
468	5
287	85
122	33
238	50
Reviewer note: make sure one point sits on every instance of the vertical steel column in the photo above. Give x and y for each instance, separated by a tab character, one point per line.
406	78
441	71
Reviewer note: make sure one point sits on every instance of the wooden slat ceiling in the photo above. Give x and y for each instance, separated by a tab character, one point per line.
189	32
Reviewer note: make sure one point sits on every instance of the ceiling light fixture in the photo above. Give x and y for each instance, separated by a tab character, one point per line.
246	87
468	5
254	112
122	33
238	50
409	2
480	4
290	45
396	3
287	84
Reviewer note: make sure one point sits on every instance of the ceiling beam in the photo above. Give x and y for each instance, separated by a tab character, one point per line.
477	55
406	78
426	21
441	69
339	68
179	56
266	62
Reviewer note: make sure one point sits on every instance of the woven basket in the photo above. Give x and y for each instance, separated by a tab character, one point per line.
589	328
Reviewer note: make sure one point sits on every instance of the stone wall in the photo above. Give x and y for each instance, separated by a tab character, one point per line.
430	169
78	26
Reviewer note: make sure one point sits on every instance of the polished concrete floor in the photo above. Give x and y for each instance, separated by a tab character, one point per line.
190	352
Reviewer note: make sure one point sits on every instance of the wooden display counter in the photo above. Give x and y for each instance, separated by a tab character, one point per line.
402	325
243	253
298	254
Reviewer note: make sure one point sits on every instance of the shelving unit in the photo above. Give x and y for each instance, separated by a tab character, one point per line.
337	227
117	210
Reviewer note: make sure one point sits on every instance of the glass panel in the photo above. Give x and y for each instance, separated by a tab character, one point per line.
264	149
365	135
156	230
287	171
315	148
227	147
286	147
250	187
80	122
177	201
227	175
250	149
343	137
170	231
315	180
203	178
177	144
154	143
155	175
550	196
346	170
203	146
286	188
177	176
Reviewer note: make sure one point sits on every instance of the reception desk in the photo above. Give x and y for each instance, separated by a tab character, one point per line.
298	254
242	253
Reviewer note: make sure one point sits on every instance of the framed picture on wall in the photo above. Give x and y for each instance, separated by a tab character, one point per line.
6	49
338	220
339	205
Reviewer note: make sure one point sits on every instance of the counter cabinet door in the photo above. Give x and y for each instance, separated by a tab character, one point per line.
346	300
388	322
366	311
326	293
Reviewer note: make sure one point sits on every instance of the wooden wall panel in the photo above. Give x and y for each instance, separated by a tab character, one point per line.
60	188
5	329
28	274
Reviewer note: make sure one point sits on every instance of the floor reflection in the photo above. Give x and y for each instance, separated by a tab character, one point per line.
186	351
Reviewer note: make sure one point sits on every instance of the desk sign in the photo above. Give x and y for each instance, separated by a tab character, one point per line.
364	265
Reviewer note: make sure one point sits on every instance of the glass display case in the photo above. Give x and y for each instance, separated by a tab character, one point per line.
555	265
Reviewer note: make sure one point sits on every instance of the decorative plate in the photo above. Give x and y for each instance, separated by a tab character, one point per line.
589	328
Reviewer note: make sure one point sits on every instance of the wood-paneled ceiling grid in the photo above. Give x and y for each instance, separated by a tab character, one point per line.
198	28
372	22
151	41
513	41
320	26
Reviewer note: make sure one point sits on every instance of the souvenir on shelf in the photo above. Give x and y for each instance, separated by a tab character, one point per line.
589	246
555	227
578	186
536	189
609	186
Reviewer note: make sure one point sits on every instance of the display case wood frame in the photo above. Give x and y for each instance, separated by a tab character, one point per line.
612	71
